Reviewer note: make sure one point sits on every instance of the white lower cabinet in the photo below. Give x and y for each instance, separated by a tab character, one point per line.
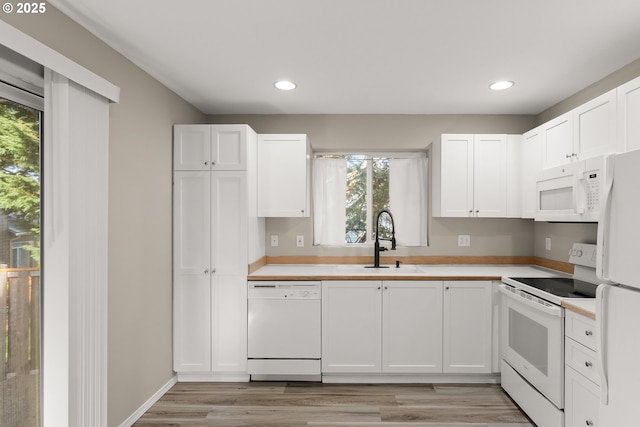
351	326
581	401
411	326
396	327
582	389
467	345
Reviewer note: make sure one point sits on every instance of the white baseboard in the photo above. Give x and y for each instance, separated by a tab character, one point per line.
411	378
149	403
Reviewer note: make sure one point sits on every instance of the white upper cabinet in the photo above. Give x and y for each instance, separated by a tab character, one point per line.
453	176
557	141
531	165
490	176
210	147
584	132
629	115
191	147
284	175
470	176
594	126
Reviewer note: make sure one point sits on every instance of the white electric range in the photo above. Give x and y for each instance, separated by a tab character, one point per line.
532	335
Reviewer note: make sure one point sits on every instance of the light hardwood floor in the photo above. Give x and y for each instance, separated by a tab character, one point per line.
298	404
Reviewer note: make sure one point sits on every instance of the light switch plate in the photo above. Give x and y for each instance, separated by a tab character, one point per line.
464	240
274	240
547	243
300	241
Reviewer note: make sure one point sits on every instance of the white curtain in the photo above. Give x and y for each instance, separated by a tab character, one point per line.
408	200
76	153
329	204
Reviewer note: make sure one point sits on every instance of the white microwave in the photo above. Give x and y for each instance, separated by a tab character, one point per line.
572	192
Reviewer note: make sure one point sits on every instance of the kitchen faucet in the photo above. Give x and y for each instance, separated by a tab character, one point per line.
376	246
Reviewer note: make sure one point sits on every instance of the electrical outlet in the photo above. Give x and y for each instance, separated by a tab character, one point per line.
464	240
274	240
300	241
547	243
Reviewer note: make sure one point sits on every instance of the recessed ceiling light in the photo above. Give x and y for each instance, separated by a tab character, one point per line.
285	85
501	85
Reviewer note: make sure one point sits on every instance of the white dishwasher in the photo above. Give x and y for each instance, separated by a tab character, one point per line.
284	330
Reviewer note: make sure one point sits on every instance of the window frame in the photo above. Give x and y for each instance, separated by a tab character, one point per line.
369	155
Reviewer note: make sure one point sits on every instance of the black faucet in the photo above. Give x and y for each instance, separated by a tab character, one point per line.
376	246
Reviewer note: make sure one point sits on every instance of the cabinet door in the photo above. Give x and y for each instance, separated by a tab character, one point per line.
229	271
513	178
351	326
284	172
557	141
229	147
530	166
594	126
582	400
490	176
412	326
467	327
191	272
191	147
628	134
457	176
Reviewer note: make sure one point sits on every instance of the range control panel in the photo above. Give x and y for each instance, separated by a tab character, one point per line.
583	254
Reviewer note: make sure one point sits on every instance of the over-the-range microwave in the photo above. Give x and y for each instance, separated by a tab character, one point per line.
572	192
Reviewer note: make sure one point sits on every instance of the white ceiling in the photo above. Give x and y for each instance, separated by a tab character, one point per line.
369	56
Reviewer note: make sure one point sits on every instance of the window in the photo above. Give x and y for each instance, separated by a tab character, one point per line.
351	189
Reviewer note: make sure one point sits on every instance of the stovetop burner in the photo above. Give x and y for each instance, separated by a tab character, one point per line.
564	287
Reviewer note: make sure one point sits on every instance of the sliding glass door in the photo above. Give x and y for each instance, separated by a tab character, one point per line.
20	252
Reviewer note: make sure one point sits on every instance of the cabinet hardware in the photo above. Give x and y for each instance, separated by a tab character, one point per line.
588	333
588	364
206	271
589	422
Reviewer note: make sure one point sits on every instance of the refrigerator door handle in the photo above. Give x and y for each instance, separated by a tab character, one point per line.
601	345
602	257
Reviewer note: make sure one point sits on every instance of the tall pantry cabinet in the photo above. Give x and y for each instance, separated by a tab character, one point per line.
215	228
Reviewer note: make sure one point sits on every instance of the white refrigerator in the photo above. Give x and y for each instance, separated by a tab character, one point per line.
618	302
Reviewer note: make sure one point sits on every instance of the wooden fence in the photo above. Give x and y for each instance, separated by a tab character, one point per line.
20	349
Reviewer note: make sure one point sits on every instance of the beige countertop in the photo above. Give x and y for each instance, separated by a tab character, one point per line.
584	306
405	272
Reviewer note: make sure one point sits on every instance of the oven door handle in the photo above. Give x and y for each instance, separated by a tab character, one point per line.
551	309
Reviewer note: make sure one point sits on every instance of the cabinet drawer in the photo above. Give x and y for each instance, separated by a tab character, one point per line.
582	359
581	401
581	329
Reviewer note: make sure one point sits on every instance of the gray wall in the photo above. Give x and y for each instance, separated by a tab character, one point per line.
140	297
389	133
613	80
